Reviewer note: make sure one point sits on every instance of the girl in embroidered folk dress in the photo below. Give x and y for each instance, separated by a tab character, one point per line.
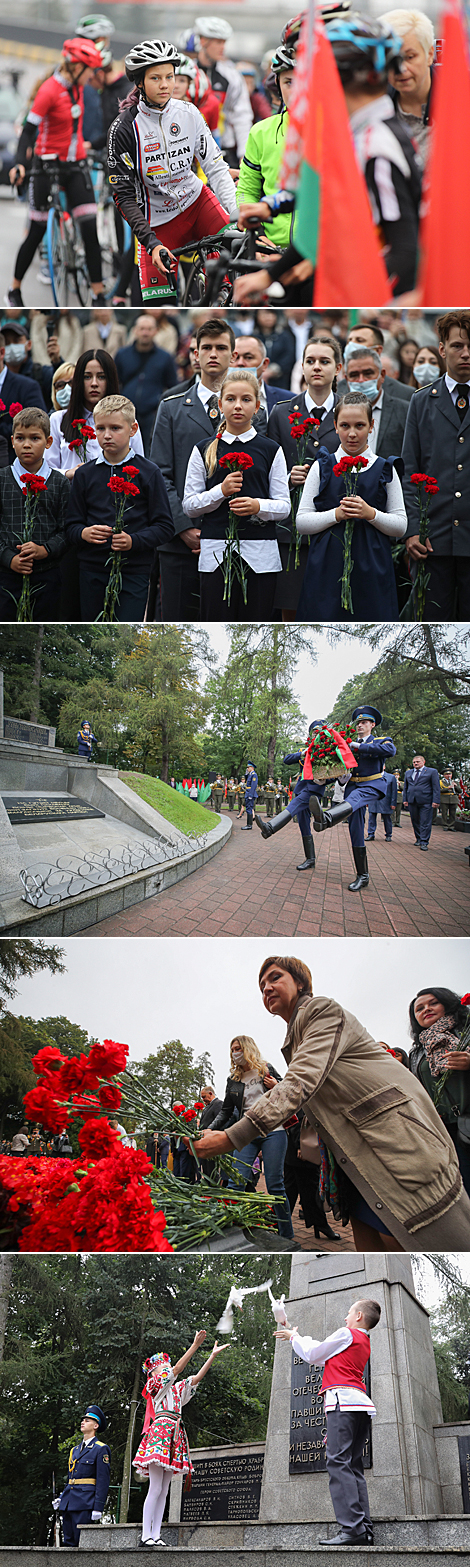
164	1448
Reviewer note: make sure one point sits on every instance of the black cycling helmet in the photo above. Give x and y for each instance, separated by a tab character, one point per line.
364	50
153	51
283	60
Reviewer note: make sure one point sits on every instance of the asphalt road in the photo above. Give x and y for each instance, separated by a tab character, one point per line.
13	223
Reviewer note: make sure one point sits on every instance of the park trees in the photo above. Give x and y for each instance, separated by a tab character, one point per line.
172	1072
254	711
421	684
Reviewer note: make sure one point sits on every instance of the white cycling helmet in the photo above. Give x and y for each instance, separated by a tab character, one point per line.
188	41
95	26
213	27
187	67
152	51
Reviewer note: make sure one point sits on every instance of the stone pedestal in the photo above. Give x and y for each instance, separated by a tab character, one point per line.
404	1477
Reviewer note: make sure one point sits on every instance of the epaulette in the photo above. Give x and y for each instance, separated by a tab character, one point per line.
101	1444
173	397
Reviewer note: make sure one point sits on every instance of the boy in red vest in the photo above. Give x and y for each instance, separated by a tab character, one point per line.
348	1408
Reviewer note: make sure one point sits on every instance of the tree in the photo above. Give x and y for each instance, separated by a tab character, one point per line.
171	1073
423	677
20	1039
22	956
254	712
45	664
166	705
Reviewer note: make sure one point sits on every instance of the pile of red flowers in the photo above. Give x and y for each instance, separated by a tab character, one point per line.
32	483
430	485
61	1205
122	486
236	460
329	748
191	1113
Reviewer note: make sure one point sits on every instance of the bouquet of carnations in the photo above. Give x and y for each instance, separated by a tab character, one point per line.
111	1198
301	430
349	469
32	486
328	754
232	562
85	433
121	489
426	486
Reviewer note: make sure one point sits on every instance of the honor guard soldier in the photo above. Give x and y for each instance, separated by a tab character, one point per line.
366	787
299	806
83	1498
251	795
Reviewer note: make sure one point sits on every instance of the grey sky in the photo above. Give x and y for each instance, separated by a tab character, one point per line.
205	991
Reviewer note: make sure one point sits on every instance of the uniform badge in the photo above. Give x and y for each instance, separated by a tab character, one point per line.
213	414
175	130
461	402
106	1458
188	399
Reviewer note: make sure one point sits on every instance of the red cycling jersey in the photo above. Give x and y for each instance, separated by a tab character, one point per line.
60	129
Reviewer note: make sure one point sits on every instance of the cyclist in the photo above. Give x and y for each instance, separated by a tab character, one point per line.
99	31
236	117
151	148
191	82
54	129
260	165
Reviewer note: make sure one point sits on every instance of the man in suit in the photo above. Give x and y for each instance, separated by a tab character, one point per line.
250	354
437	442
372	337
421	790
14	388
384	807
321	364
208	1114
363	372
182	421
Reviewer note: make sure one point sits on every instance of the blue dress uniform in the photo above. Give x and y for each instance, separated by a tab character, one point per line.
88	1482
385	808
366	787
299	805
251	794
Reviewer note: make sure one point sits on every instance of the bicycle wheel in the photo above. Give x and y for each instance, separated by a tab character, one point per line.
195	284
79	269
57	257
107	240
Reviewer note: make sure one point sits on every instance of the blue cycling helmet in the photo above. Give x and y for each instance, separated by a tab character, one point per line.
364	51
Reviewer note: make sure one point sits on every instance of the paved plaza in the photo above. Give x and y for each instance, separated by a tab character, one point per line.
253	889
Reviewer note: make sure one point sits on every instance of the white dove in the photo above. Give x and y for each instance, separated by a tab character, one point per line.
236	1298
278	1310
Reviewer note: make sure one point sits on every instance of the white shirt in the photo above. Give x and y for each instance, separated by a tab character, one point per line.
301	331
392	522
2	375
18	469
205	393
261	554
316	1353
452	386
327	405
61	457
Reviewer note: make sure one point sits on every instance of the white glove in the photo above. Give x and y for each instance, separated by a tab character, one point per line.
56	1503
95	1517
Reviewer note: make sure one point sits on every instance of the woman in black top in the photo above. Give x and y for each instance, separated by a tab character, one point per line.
437	1020
250	1077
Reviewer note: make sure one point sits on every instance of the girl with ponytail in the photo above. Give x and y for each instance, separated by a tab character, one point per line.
238	506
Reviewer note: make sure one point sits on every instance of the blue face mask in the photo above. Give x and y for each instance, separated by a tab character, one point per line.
63	396
368	388
426	372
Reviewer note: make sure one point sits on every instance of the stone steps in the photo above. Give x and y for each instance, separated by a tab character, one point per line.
382	1555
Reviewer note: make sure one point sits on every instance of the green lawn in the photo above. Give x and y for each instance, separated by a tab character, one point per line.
186	814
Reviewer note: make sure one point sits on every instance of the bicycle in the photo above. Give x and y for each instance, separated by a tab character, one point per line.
211	278
64	244
106	227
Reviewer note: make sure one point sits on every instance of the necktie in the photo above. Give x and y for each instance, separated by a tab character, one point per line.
317	413
213	410
462	399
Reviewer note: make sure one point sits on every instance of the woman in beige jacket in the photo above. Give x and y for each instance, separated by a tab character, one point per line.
370	1112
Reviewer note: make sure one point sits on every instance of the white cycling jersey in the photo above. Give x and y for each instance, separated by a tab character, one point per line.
150	158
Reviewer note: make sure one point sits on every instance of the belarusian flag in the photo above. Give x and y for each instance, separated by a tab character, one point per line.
334	227
444	272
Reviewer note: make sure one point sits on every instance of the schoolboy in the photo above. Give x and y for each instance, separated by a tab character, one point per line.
39	558
344	1355
92	514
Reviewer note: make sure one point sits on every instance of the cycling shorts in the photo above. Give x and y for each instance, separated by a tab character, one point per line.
204	216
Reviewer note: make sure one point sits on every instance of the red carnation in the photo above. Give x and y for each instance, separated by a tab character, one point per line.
75	1076
199	1104
297	431
97	1139
236	460
178	1109
15	408
130	489
46	1058
110	1096
73	445
431	488
465	1000
189	1115
87	432
3	407
422	478
108	1059
41	1105
134	472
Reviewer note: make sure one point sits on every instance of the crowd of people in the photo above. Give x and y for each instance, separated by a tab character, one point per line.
368	1168
290	465
219	128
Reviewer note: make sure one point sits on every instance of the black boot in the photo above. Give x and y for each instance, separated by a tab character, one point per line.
268	828
362	878
247	826
308	864
330	818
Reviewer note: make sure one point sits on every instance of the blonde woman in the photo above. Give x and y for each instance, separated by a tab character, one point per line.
251	1076
258	497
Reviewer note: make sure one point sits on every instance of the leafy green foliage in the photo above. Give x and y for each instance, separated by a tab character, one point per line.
173	1073
20	957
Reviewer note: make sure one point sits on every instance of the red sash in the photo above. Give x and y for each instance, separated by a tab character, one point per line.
344	754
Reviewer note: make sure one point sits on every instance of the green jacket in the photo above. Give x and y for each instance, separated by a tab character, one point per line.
259	172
